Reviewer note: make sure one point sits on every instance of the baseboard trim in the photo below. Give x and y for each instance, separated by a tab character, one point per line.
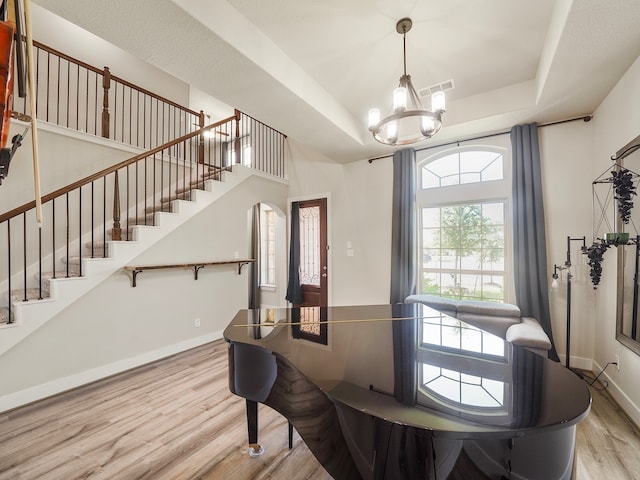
39	392
578	362
622	399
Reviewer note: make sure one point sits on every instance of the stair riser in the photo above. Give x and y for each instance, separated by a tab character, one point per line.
4	316
165	205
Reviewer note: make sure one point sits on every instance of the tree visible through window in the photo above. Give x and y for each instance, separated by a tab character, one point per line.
463	251
462	200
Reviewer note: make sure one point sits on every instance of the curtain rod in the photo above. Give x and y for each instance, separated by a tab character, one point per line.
585	118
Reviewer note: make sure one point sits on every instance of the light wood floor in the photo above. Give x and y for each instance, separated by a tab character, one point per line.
176	419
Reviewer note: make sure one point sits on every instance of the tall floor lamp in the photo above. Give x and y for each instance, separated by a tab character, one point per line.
554	286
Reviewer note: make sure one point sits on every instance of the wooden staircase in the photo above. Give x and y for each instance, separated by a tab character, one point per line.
100	249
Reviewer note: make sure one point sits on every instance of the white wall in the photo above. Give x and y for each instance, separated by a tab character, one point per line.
115	326
63	159
364	219
359	212
64	36
80	44
573	155
617	121
566	153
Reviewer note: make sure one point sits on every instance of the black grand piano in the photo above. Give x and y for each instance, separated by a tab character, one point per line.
406	392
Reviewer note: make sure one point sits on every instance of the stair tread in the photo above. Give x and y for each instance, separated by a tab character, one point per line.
165	205
144	221
32	294
75	259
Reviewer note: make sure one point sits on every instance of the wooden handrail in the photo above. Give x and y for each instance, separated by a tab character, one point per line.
100	71
66	57
154	95
102	173
136	269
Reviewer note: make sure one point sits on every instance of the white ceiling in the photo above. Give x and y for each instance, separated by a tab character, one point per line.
313	68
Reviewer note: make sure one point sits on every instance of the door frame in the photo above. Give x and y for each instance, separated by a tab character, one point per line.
316	196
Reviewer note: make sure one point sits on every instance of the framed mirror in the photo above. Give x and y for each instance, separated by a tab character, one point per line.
628	259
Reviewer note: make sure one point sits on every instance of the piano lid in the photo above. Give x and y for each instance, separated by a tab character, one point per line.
426	361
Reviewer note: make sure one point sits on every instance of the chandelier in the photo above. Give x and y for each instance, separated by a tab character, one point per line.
409	122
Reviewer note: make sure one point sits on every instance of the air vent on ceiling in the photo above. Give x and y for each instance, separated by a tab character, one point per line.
440	87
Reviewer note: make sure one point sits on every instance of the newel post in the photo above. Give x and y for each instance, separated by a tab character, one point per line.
201	142
236	143
106	84
116	233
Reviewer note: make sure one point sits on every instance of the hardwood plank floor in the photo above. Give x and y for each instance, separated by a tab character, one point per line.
176	419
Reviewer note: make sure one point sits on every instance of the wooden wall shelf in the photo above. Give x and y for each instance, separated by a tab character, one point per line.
196	266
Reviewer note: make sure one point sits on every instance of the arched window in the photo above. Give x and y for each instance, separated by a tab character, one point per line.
463	201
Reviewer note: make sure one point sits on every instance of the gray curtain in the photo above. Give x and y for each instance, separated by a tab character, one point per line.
405	345
528	391
403	274
254	276
529	239
294	289
403	226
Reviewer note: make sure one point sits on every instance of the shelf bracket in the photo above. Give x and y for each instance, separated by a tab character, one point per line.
196	269
240	265
134	275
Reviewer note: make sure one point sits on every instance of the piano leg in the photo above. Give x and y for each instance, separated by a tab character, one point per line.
255	449
290	435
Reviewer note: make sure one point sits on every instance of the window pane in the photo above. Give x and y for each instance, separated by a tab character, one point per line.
493	213
467	249
430	217
446	166
464	167
449	237
494	171
472	177
450	180
267	246
310	245
429	179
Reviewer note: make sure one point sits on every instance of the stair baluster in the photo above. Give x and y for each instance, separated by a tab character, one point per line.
106	84
116	233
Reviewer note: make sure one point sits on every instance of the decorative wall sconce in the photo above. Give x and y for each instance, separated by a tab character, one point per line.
613	192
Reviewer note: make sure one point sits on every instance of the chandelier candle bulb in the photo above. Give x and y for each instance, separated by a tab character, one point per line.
438	101
374	117
427	124
392	131
399	99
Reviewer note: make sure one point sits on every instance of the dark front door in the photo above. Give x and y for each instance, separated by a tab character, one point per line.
314	272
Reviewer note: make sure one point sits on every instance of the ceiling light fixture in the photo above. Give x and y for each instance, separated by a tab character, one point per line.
409	122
